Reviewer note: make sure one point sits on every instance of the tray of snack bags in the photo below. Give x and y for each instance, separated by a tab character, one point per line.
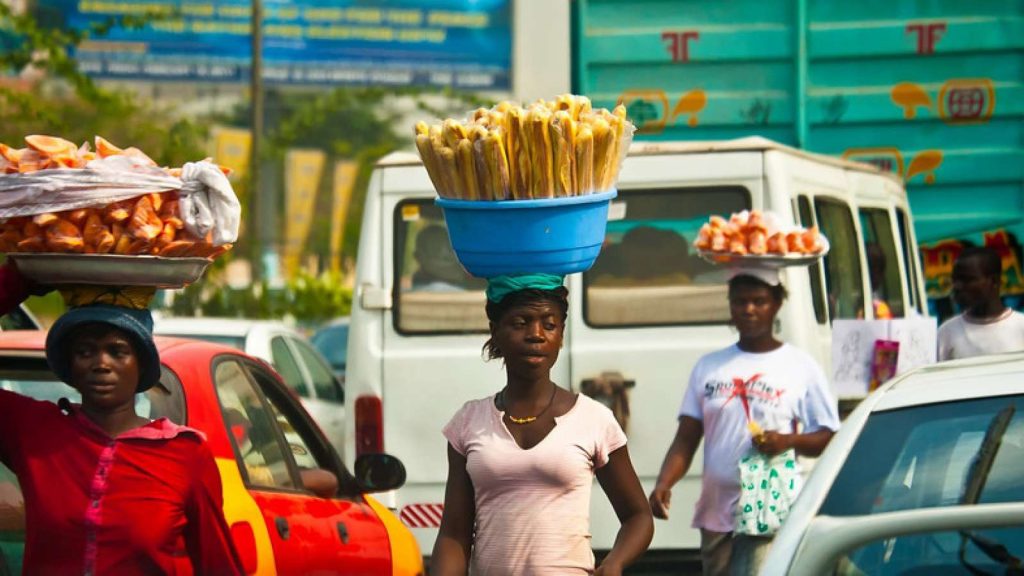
755	238
72	215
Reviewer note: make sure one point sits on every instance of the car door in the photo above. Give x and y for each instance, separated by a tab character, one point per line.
327	403
274	442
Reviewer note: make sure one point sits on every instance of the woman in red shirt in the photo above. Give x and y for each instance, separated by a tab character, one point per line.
106	490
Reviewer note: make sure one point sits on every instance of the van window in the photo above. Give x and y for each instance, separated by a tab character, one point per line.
883	268
648	272
909	258
817	292
433	293
843	282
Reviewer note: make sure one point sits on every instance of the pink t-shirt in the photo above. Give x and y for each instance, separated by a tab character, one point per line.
533	506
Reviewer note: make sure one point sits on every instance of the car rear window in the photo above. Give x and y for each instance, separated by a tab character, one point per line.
927	456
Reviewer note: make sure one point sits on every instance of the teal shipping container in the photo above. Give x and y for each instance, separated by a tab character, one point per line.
930	89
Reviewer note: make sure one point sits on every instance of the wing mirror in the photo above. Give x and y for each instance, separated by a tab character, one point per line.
379	472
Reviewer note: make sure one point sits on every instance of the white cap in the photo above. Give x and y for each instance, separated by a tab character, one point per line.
765	274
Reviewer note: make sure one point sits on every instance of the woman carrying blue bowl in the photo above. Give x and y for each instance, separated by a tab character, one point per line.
521	462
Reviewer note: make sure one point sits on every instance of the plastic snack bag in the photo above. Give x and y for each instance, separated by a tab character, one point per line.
768	487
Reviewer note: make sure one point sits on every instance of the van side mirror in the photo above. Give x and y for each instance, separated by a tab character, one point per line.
379	472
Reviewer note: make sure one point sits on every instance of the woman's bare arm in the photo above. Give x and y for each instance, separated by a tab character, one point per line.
455	538
619	481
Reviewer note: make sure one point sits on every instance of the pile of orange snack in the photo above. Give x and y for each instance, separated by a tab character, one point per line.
750	233
145	225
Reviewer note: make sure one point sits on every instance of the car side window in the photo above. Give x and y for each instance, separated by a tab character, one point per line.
286	365
250	424
324	383
306	449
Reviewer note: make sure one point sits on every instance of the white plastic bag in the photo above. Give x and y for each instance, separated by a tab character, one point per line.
208	203
768	487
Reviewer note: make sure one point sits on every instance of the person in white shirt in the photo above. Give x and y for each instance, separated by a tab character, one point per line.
759	383
985	325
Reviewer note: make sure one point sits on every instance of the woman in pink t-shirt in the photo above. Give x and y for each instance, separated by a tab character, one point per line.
521	462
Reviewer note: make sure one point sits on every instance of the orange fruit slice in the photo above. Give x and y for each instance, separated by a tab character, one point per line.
51	145
105	148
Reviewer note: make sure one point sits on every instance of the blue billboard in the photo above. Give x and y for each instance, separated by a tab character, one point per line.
463	44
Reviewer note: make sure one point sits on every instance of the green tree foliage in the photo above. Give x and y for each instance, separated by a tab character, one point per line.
361	124
309	300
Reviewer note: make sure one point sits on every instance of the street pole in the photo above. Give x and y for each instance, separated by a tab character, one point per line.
256	207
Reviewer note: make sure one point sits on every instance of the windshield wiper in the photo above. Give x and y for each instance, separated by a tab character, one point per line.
976	479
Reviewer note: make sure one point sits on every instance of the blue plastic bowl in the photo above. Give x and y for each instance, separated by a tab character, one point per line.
556	235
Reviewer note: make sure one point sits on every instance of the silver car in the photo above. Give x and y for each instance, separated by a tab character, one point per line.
303	368
926	476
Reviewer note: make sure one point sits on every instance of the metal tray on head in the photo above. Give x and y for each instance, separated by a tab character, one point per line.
55	269
765	260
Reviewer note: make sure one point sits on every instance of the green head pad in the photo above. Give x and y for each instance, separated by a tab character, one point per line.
500	286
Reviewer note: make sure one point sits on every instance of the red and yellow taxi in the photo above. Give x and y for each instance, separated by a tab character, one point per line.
292	505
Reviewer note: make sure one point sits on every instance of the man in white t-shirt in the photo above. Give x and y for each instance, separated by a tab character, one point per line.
757	380
986	325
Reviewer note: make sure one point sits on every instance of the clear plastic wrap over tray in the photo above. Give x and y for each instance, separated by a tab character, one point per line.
109	269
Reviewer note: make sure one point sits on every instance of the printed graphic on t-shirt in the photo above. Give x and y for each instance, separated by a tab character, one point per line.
753	390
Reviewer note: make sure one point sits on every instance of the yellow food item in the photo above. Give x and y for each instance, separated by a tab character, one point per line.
541	185
465	165
584	159
755	429
562	147
562	129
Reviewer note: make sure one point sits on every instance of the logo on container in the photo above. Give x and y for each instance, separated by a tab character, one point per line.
959	100
891	159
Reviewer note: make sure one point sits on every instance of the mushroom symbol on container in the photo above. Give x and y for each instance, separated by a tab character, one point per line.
959	101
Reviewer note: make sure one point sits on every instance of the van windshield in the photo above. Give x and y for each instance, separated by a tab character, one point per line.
433	293
648	272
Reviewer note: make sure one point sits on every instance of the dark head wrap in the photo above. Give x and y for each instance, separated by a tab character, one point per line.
138	324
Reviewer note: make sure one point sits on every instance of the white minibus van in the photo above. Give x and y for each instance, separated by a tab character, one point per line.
638	320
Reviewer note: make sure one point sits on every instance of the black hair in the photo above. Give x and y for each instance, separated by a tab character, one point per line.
526	297
778	291
988	260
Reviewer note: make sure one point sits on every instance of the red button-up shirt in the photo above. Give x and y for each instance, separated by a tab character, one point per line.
14	289
146	502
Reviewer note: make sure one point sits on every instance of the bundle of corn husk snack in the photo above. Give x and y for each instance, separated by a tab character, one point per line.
56	196
756	233
551	149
